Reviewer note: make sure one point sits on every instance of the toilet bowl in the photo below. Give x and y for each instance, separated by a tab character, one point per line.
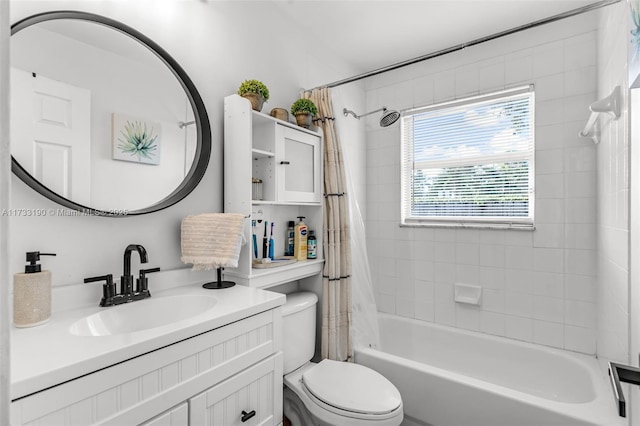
339	393
329	392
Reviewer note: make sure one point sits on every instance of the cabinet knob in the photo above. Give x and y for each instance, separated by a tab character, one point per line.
246	416
285	162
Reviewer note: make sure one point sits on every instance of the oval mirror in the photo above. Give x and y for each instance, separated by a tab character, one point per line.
103	120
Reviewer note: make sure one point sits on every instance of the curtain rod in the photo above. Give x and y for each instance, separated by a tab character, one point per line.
563	15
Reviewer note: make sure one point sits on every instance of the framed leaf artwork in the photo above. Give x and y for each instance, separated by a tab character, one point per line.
135	139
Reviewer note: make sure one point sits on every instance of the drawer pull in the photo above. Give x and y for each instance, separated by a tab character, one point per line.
246	416
285	162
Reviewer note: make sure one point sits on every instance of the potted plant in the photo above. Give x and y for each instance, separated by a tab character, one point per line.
304	110
256	91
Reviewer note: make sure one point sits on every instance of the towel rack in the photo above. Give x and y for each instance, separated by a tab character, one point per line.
609	105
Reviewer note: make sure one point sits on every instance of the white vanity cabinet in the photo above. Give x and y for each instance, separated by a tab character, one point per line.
287	160
210	378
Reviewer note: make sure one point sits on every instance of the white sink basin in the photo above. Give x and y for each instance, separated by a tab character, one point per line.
142	315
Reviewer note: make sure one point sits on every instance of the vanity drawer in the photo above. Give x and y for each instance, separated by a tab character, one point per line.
252	397
177	416
136	390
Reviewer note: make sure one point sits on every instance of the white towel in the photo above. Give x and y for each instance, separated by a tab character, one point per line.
212	240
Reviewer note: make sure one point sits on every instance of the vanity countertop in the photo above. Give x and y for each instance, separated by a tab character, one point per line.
50	354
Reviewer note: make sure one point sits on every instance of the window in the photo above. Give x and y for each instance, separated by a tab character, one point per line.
470	162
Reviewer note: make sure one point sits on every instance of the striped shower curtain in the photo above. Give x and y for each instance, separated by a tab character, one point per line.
336	280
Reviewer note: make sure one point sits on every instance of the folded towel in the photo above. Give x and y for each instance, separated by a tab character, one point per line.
212	240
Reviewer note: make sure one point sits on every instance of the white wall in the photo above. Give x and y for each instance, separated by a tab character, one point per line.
219	44
5	203
613	190
538	286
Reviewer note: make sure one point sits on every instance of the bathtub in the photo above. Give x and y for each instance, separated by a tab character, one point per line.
452	377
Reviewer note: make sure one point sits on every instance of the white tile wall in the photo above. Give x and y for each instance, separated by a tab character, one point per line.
612	288
537	286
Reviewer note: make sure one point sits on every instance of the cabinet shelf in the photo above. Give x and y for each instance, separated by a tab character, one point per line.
288	160
260	153
284	203
260	117
269	277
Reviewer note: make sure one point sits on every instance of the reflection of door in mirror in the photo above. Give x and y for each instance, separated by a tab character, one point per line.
50	127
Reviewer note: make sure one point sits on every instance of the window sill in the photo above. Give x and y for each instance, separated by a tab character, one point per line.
471	225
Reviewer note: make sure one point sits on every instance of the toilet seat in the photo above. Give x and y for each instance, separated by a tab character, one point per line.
351	390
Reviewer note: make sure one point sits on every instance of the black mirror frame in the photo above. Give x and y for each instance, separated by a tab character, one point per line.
203	149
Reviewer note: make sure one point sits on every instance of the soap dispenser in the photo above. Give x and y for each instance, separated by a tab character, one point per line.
32	293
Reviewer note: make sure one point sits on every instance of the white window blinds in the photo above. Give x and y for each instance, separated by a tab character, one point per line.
470	161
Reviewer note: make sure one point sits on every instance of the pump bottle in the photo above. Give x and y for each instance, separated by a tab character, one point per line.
32	293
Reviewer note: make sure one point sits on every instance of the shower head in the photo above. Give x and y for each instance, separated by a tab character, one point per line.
389	116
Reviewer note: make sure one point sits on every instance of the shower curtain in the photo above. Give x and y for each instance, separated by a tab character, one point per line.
336	280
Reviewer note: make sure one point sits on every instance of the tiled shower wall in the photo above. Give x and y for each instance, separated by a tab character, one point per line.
537	286
613	189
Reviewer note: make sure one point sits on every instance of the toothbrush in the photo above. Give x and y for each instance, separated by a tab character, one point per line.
271	243
265	242
255	238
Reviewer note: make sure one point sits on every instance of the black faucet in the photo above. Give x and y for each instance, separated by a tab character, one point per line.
126	280
127	293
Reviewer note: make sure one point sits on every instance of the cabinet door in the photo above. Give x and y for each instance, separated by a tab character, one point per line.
252	397
177	416
298	166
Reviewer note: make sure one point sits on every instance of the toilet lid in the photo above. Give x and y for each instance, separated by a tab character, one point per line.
351	387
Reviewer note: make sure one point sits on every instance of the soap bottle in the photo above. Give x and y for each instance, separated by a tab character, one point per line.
312	246
300	240
32	293
289	241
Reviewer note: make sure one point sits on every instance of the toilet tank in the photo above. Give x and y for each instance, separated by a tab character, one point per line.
299	329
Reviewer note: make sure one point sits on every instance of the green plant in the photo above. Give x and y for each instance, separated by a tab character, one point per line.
254	86
304	106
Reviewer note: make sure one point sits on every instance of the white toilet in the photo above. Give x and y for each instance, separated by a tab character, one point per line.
330	392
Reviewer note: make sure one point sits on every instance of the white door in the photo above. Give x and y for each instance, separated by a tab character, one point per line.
51	133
